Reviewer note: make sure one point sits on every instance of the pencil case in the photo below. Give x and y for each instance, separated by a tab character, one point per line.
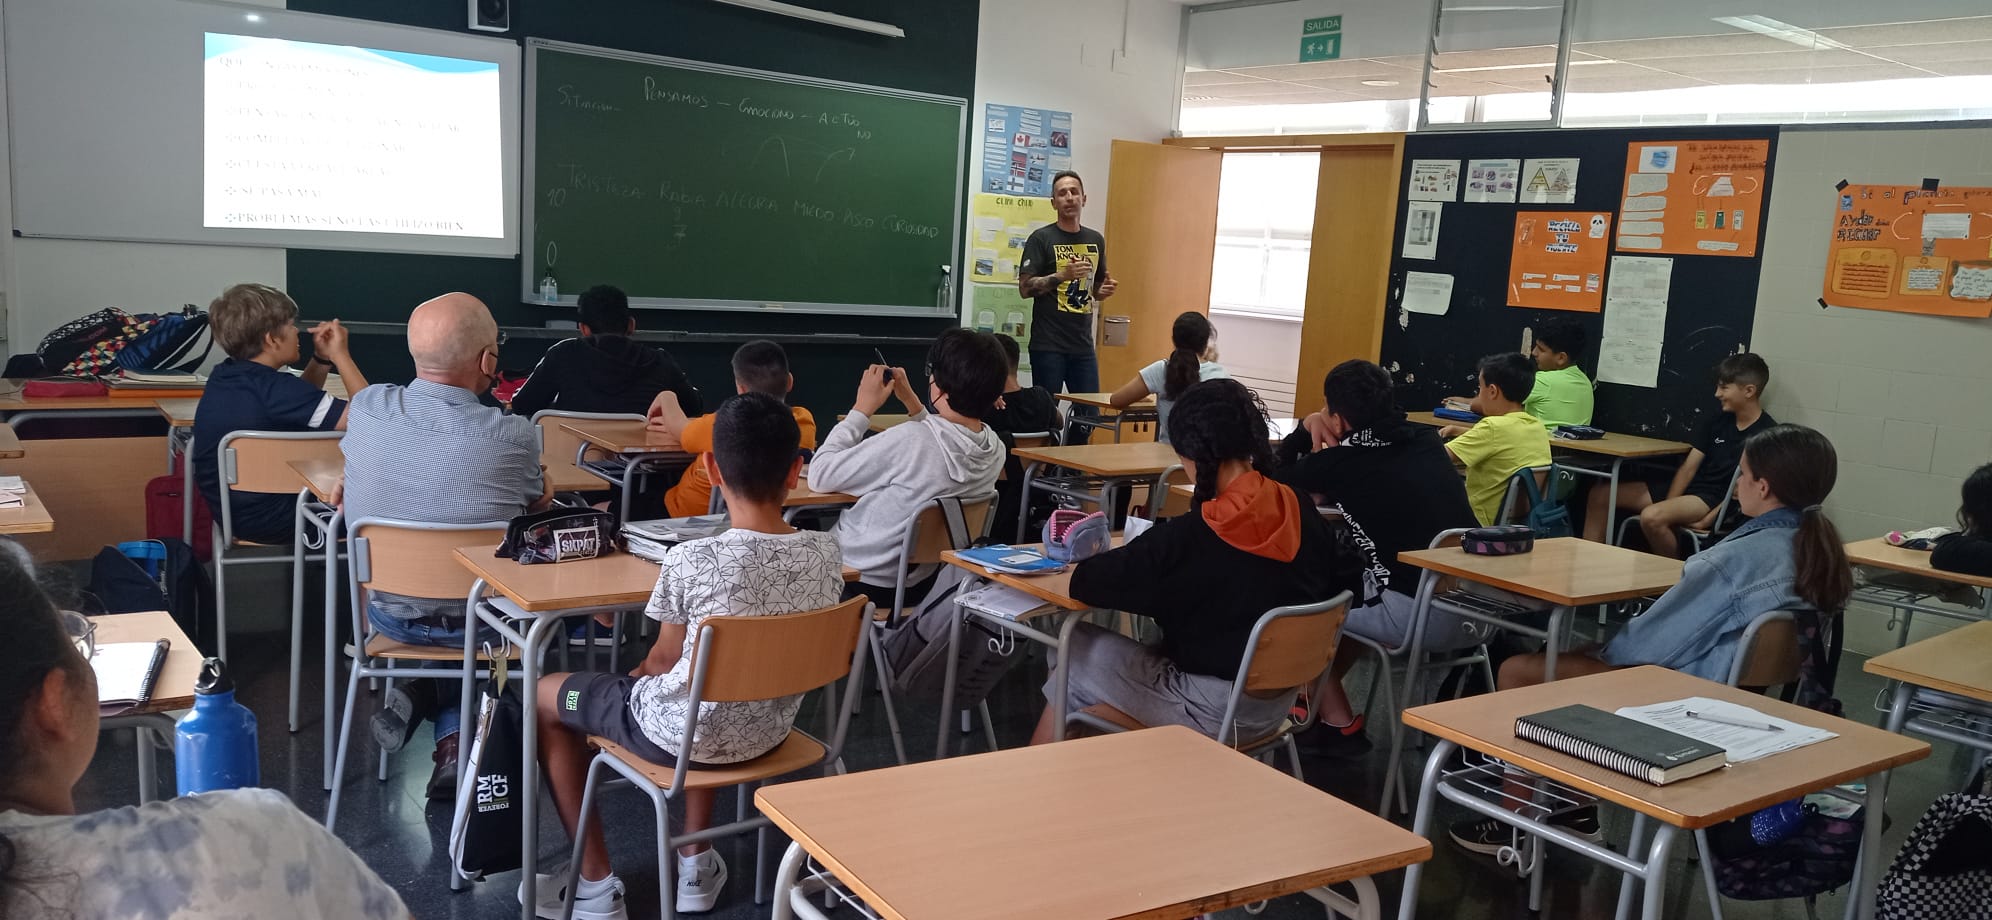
1070	536
1579	432
1502	540
1456	415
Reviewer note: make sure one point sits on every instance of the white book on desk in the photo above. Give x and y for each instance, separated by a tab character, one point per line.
126	672
1001	601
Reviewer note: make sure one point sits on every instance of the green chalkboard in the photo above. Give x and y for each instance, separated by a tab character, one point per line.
697	185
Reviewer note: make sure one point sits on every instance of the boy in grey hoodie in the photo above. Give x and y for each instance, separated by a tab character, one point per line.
942	453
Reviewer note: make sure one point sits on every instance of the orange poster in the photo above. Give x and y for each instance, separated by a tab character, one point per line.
1558	261
1911	250
1693	198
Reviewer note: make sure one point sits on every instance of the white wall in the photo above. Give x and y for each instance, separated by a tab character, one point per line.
1118	76
1902	396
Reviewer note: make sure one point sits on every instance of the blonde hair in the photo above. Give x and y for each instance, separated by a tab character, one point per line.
244	314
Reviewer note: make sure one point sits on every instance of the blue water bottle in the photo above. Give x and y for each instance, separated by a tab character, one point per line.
214	747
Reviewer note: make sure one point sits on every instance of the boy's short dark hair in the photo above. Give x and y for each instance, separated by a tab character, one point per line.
1510	372
1564	335
244	314
1010	350
1361	393
1744	369
762	367
969	367
754	441
604	309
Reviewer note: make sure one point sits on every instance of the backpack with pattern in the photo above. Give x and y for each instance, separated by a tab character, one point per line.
1944	870
89	346
177	342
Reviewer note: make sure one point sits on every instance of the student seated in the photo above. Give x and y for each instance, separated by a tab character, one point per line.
1970	549
1505	439
896	474
256	325
604	370
1022	409
240	853
761	567
1701	485
759	366
1247	545
1562	394
430	452
1787	556
1194	360
1396	490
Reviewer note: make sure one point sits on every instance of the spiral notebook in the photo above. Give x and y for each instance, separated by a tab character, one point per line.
1615	742
126	672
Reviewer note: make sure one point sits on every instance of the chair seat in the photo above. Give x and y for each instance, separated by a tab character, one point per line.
796	752
1110	715
379	646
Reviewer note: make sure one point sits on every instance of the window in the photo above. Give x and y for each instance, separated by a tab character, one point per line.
1265	227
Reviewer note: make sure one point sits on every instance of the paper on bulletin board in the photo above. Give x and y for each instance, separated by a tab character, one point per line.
1492	181
1022	148
1428	292
1558	260
1694	197
1552	180
1635	321
1906	249
1000	225
1434	180
1421	230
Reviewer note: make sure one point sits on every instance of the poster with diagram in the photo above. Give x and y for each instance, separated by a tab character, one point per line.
998	227
1558	260
1693	198
1022	148
1551	180
1911	249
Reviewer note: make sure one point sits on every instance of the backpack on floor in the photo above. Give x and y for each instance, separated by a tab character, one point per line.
484	830
165	504
1944	870
160	574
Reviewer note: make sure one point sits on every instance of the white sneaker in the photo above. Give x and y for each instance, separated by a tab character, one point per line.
550	892
700	882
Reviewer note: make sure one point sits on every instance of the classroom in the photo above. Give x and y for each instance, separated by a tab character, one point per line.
933	459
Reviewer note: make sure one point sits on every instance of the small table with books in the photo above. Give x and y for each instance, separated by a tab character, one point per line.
171	689
1487	724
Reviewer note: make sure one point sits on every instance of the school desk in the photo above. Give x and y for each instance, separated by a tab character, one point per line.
173	690
638	450
31	517
1102	470
96	479
1909	600
1486	724
1143	410
10	443
1159	823
1957	666
179	412
882	422
319	478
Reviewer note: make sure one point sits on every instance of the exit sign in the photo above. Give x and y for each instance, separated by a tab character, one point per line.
1321	47
1321	24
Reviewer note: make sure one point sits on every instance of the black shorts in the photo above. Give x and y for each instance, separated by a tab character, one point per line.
597	703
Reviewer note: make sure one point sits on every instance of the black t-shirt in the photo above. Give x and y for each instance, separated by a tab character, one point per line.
246	396
1721	445
1062	321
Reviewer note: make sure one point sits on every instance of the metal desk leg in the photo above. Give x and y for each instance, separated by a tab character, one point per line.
1633	842
1024	507
1656	870
948	685
148	764
187	498
297	601
1557	617
1421	824
1059	676
1868	865
544	627
1612	500
331	632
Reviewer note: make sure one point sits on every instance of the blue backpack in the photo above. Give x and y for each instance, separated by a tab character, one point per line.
177	342
1547	516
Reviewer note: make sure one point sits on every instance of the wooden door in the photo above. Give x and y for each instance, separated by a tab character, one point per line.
1161	237
1348	271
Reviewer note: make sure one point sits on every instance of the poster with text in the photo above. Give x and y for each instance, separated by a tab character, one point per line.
1492	181
1558	260
1693	197
1635	331
1909	249
999	226
1551	180
1023	148
1434	180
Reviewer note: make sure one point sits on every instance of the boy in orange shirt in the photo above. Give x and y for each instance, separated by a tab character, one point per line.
759	366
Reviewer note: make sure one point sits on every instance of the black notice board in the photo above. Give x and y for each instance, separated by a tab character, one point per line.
1711	304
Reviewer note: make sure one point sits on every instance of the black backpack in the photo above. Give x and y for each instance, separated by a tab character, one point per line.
124	584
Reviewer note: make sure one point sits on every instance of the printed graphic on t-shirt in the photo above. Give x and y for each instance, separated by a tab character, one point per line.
1075	296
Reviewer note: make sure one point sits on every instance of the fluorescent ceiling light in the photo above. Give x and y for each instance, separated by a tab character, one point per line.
1379	82
1495	9
1782	31
833	19
1516	66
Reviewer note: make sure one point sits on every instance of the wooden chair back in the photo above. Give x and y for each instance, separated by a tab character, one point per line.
416	563
930	529
765	657
1773	659
557	444
260	461
1295	648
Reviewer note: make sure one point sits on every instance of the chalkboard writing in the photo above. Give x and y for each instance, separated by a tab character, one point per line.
690	185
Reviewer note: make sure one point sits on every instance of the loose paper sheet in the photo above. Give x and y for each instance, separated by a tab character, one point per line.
1428	292
1434	180
1635	320
1551	180
1421	230
1492	180
1743	744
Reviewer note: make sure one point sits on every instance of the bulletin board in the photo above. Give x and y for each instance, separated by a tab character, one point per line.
1911	249
1448	310
1701	197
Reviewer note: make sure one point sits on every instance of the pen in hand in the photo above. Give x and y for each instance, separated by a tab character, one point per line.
1739	723
888	365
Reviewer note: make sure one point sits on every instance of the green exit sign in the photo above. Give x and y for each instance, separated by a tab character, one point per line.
1321	25
1321	48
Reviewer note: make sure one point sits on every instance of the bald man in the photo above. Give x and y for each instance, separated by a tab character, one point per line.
430	452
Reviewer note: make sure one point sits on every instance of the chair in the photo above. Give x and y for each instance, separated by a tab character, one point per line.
1512	499
1699	539
1163	502
412	559
561	452
738	659
1290	647
946	523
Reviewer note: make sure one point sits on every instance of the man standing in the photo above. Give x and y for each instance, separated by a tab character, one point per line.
1064	273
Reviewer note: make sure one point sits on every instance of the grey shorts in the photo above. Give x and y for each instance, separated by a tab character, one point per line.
1102	666
1388	622
597	703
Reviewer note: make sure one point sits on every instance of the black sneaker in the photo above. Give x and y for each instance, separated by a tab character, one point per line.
1324	740
1485	836
1581	821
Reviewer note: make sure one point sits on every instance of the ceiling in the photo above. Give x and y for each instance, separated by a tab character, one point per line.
1889	51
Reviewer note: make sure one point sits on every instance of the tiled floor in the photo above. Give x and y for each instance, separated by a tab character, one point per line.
405	838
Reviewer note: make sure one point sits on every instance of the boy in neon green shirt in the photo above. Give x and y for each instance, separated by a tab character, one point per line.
1562	394
1506	438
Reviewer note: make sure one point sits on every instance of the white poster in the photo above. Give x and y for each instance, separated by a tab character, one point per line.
1492	180
1549	181
1434	180
1421	230
1428	292
1635	320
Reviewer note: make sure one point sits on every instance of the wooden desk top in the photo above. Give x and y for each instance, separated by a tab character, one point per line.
1104	401
15	402
31	517
1055	588
618	579
567	477
179	411
1563	570
888	420
10	443
1134	458
320	475
1486	723
803	496
1160	823
175	687
1959	662
1876	552
623	436
1612	444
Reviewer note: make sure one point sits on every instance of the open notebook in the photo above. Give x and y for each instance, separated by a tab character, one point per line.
126	672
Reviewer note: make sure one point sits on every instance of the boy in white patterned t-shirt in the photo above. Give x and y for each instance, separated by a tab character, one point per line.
760	567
